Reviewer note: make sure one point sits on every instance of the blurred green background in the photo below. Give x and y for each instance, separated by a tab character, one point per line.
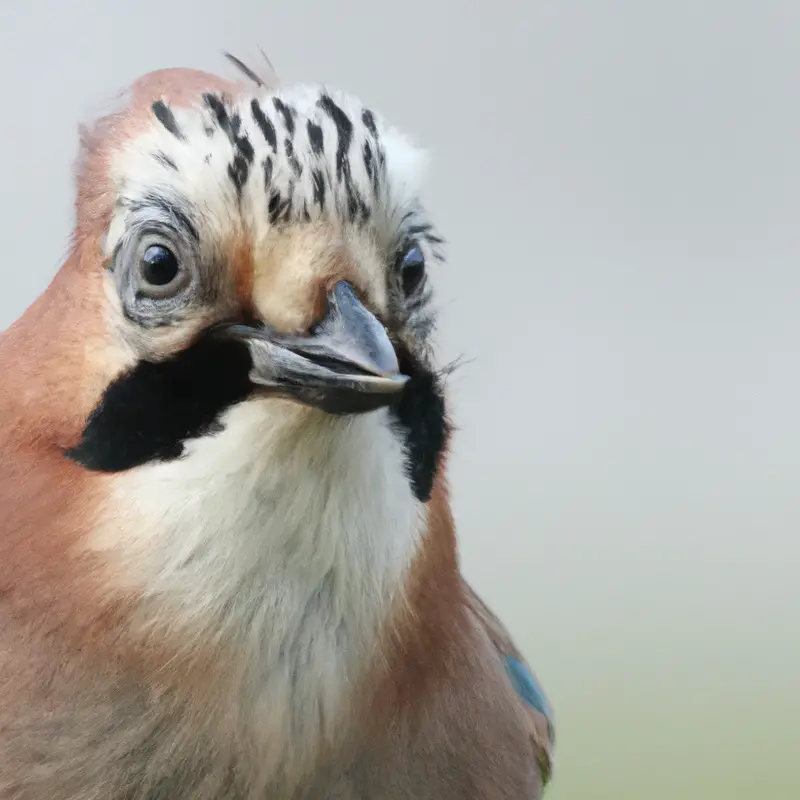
619	183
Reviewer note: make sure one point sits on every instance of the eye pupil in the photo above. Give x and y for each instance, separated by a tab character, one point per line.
159	265
412	268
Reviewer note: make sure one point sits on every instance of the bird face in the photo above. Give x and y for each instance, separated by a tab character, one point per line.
266	248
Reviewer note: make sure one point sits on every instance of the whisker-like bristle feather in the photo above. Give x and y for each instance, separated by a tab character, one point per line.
251	74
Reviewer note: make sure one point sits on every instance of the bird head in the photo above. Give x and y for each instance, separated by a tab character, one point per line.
246	293
259	247
228	393
264	247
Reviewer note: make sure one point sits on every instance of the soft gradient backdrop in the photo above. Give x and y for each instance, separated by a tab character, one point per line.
620	185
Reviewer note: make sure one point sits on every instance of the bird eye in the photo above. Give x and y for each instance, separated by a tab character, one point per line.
160	272
412	269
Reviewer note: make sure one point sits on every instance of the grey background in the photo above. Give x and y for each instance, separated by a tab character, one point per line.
619	182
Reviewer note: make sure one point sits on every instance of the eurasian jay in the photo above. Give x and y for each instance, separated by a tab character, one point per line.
229	566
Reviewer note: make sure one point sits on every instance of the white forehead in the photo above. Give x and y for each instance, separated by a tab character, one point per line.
264	160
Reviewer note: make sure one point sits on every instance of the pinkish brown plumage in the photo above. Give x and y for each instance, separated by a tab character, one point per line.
229	563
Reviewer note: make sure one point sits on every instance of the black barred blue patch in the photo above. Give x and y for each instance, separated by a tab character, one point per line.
527	687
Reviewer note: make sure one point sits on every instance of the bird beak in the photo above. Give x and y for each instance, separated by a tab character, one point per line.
346	365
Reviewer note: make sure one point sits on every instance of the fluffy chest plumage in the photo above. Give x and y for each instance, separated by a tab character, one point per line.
274	550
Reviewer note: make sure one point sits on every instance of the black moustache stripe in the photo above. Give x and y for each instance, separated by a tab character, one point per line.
149	413
421	420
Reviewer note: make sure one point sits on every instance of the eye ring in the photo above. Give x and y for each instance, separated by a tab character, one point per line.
412	269
160	273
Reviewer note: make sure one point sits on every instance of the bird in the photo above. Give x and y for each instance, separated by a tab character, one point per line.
230	567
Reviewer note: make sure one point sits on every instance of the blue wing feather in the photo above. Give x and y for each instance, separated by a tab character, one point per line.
527	687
